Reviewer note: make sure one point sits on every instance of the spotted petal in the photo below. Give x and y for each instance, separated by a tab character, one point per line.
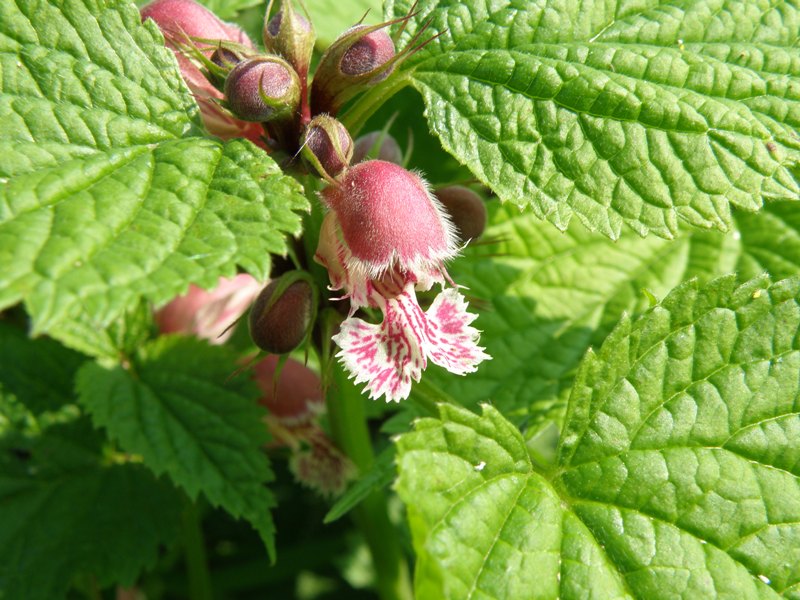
452	343
388	356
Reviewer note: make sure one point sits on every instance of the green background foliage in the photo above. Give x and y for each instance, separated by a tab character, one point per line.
676	475
645	114
638	426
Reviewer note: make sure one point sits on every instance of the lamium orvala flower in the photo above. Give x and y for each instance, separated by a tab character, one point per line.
384	238
209	314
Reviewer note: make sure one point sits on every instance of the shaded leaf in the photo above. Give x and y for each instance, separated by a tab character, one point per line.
176	408
68	506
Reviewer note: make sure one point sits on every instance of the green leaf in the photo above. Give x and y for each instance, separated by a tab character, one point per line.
66	507
331	18
118	340
104	521
38	373
101	201
677	477
643	114
770	241
545	297
177	409
484	523
84	78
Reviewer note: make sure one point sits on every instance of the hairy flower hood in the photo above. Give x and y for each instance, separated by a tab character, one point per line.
388	218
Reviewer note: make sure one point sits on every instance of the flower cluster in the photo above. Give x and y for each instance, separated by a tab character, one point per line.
385	236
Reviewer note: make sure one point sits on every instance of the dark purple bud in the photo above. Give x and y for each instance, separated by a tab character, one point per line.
291	35
225	58
377	145
281	316
362	56
466	209
222	61
327	146
262	89
368	53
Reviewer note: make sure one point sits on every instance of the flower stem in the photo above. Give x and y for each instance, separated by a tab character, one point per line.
349	429
355	118
194	549
428	396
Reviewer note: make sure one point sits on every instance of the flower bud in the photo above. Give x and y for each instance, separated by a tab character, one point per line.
467	210
226	58
262	89
367	54
379	145
327	146
281	315
362	56
292	36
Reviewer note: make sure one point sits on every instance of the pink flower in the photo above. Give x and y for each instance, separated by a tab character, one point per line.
176	18
296	397
295	403
207	314
385	237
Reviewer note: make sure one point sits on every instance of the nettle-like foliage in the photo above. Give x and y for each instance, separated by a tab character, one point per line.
541	260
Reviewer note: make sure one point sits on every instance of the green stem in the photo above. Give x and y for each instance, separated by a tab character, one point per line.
355	118
427	396
194	548
349	429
